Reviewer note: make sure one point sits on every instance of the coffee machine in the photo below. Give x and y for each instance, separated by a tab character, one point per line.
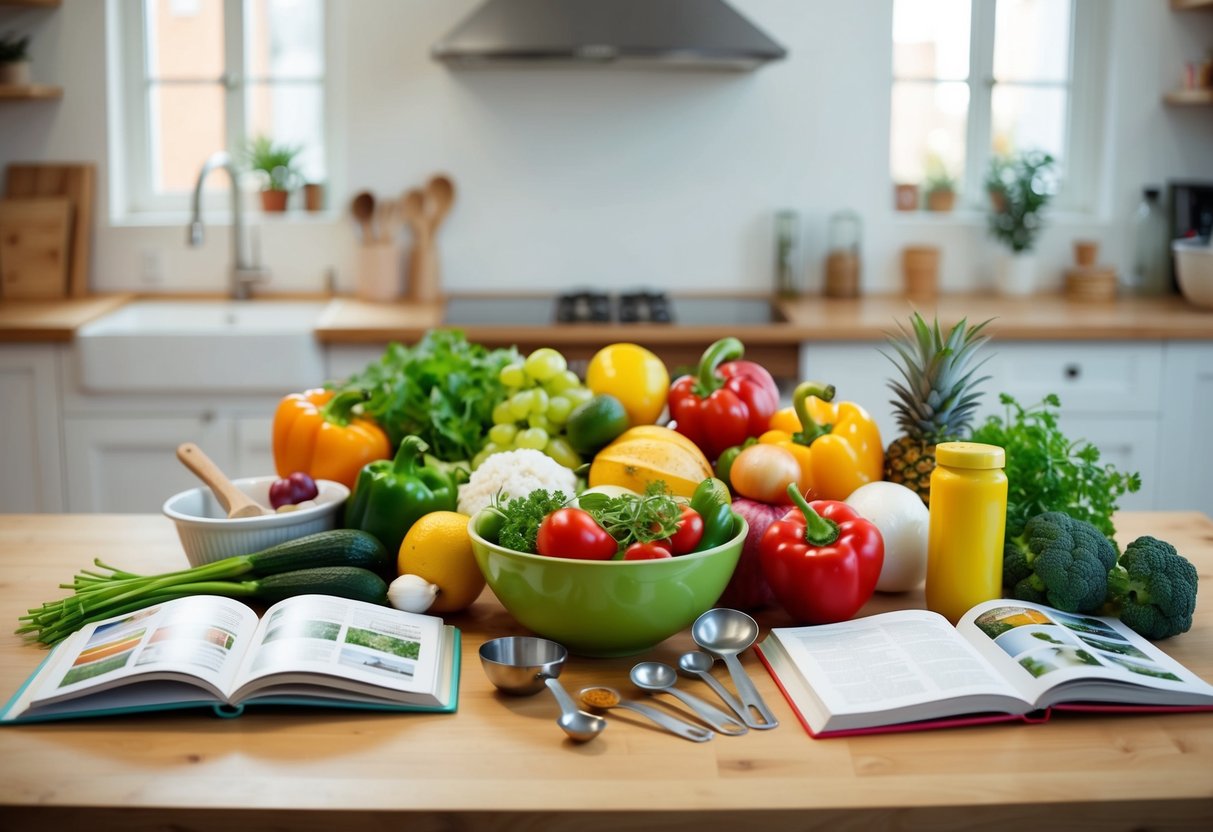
1191	211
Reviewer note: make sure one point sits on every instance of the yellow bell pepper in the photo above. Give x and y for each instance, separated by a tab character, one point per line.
836	443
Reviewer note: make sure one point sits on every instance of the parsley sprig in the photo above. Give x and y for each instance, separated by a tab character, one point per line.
1048	472
631	518
523	516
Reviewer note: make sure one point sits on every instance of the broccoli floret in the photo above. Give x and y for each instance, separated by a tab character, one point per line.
1154	588
1059	561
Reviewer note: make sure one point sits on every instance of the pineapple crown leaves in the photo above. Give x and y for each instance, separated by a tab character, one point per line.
938	398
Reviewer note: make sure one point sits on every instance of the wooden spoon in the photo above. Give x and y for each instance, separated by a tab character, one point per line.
363	209
439	193
234	501
412	207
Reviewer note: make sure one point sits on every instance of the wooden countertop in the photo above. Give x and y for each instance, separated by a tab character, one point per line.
1041	317
500	763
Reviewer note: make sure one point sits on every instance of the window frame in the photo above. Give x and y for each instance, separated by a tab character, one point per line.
1083	147
133	195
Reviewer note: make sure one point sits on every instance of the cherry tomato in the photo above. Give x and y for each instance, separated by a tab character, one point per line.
574	533
292	490
690	532
651	550
764	472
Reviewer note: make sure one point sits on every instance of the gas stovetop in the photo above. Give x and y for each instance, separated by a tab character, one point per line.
592	307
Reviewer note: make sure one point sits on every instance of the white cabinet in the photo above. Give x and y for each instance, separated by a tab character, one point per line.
1185	458
31	454
1110	393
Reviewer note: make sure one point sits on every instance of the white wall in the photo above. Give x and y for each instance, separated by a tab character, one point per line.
580	177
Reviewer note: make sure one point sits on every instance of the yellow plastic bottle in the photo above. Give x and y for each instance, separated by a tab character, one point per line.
968	521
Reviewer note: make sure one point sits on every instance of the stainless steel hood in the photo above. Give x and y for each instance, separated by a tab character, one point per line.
698	34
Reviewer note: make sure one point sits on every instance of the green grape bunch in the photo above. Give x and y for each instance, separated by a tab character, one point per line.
540	393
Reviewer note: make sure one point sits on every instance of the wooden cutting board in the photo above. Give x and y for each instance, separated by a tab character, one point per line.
34	246
76	182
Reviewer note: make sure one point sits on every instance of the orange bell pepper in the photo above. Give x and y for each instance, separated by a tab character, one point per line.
315	432
836	443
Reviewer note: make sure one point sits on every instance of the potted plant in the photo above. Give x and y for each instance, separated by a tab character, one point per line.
1020	187
939	188
275	163
14	60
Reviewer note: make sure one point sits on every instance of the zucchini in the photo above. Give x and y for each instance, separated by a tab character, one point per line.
337	547
340	581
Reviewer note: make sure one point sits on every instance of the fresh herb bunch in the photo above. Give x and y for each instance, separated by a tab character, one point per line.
523	516
630	519
441	389
1048	472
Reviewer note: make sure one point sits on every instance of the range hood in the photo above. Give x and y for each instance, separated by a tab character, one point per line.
698	34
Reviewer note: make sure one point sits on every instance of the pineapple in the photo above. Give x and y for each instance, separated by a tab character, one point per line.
937	399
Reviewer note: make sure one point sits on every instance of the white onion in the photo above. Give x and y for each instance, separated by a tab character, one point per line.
904	522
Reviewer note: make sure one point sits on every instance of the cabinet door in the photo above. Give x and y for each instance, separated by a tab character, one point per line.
253	443
31	457
130	465
1185	467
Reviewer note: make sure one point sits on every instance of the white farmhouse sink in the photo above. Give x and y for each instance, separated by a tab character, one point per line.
206	345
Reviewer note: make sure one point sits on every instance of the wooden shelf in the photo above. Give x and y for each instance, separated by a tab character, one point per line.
13	92
46	4
1182	5
1189	98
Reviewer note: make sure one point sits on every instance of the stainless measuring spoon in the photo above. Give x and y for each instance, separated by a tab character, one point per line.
726	633
657	677
601	697
698	663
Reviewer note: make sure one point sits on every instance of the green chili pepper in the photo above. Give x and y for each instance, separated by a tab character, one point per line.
390	495
715	505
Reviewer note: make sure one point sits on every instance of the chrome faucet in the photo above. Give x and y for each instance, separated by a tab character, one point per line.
245	270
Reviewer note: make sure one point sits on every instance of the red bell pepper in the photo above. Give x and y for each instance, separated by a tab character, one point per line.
821	560
726	401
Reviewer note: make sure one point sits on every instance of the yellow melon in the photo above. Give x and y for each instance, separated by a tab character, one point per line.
648	453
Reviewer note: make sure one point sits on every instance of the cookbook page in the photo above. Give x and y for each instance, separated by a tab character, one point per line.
1055	656
332	639
201	637
890	662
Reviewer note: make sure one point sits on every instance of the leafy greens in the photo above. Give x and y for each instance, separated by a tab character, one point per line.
442	389
1048	472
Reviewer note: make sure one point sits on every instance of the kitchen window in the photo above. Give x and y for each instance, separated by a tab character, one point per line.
199	76
975	79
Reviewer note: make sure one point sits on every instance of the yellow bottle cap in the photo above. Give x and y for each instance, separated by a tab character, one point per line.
969	455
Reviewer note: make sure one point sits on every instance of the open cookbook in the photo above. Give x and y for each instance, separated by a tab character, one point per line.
1005	660
208	650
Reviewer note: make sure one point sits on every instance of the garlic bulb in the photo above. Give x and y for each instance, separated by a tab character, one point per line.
412	593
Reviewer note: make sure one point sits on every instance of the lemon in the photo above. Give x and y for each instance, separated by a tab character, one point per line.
437	548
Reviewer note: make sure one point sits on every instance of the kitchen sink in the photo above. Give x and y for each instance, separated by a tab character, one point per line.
203	345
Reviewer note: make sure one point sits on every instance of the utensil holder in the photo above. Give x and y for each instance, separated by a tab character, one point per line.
842	275
377	277
920	271
423	280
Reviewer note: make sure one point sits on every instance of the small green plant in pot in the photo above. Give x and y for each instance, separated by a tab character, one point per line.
939	189
1020	187
14	59
275	163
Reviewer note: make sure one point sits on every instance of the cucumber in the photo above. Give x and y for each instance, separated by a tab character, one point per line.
340	581
337	547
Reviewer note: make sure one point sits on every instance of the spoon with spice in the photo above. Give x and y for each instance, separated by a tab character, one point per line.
524	665
603	698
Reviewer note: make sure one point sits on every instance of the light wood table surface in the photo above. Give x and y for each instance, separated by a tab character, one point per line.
502	764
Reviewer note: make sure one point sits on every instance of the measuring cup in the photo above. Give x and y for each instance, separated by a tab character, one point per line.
524	665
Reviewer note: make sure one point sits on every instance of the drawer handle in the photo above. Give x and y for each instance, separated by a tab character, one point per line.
1072	371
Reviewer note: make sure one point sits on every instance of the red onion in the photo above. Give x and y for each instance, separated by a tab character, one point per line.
748	588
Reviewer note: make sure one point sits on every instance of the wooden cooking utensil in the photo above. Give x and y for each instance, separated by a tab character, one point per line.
234	501
363	209
422	265
439	194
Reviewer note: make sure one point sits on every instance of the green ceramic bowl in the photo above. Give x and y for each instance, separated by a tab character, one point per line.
605	608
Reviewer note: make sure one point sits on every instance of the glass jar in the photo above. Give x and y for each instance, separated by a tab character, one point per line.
968	516
787	251
842	270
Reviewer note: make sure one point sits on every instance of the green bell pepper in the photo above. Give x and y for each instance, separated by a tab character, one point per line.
715	505
390	495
